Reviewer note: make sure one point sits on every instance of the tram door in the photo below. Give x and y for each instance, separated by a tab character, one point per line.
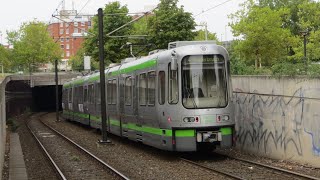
161	94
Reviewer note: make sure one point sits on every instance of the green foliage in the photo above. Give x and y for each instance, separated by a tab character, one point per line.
265	41
4	56
33	45
170	23
11	122
112	48
77	62
201	34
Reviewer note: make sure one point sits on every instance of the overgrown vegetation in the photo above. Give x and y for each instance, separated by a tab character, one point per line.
271	41
12	124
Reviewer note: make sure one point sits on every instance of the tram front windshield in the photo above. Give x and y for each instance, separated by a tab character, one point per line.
204	82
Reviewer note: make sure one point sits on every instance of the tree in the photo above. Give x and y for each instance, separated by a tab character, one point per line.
170	23
4	57
264	39
201	36
33	45
77	61
113	51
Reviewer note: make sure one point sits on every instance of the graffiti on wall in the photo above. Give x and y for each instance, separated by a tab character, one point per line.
269	122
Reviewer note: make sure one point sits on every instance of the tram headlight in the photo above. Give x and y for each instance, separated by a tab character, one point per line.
221	118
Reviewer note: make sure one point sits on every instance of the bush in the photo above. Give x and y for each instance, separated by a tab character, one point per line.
11	122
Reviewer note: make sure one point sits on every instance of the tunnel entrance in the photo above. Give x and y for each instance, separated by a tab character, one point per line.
44	98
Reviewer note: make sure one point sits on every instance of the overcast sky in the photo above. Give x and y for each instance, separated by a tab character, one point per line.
14	12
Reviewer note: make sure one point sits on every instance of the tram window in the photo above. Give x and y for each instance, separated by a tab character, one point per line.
109	92
143	89
85	95
128	91
69	95
161	87
151	88
114	91
97	93
80	94
173	86
91	94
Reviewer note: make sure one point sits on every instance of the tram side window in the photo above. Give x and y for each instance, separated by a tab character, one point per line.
151	88
97	93
91	94
128	91
109	92
85	95
173	86
69	95
143	89
80	94
114	91
161	87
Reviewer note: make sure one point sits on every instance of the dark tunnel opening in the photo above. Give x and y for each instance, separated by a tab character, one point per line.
44	98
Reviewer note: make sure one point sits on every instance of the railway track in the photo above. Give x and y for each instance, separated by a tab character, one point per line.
237	168
69	159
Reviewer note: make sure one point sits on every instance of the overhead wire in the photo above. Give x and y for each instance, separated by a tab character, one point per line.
69	23
212	8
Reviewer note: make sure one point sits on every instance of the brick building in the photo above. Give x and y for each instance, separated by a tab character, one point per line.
69	32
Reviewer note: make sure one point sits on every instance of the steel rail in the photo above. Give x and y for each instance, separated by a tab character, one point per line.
116	172
56	167
211	169
272	167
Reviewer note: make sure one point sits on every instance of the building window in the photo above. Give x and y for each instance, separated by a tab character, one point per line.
75	30
75	24
67	39
67	31
161	87
62	46
61	31
61	24
89	23
128	91
61	39
151	88
67	53
67	46
83	23
143	89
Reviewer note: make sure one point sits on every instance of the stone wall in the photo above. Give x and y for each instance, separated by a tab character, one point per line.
278	118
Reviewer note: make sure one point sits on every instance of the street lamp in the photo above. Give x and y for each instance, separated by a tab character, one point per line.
304	34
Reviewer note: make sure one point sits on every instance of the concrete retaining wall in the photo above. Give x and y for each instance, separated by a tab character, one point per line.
278	118
2	124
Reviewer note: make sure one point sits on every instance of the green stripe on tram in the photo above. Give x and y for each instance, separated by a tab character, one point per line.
146	129
226	131
149	63
144	65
